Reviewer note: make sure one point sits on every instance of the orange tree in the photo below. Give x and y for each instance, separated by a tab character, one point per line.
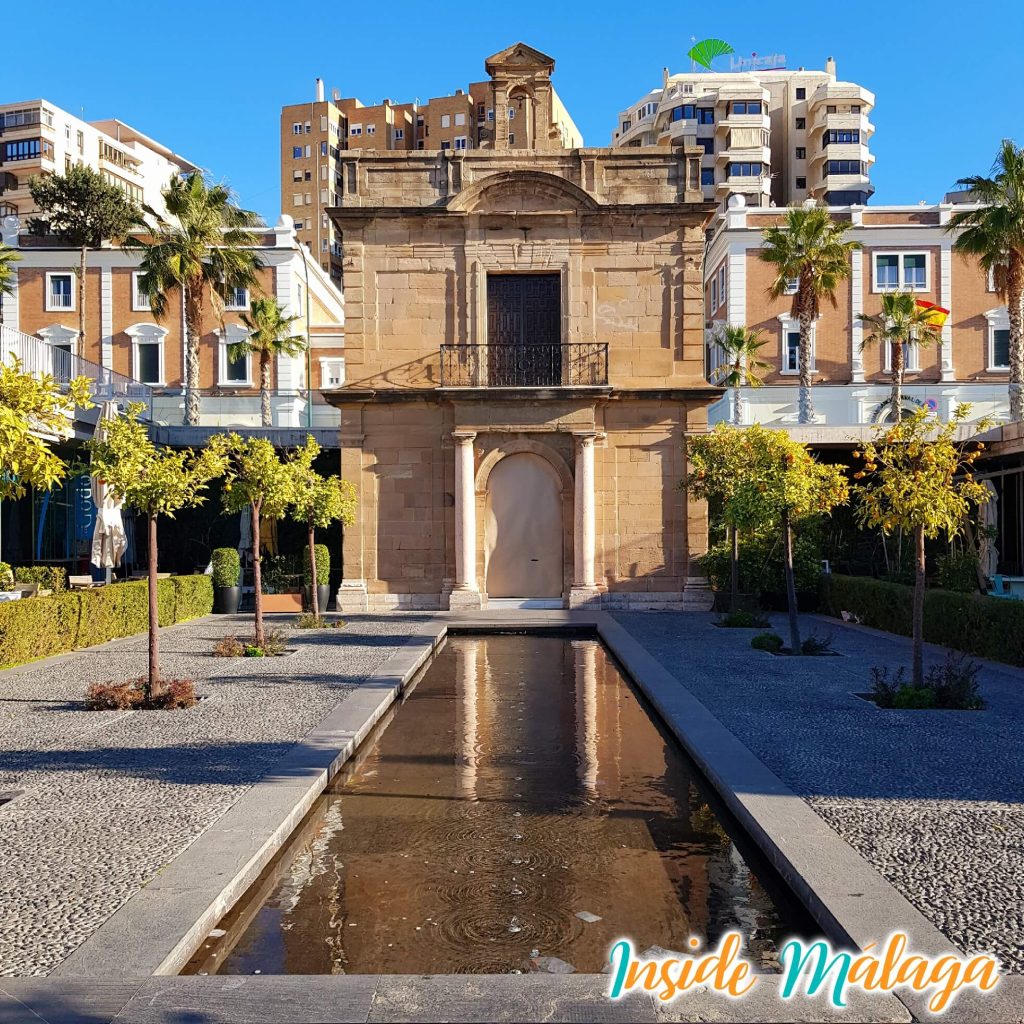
918	476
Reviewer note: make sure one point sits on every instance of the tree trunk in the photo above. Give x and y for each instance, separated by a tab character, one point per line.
896	398
257	577
1015	311
82	258
787	558
153	683
737	415
918	672
266	413
806	322
734	570
193	333
312	573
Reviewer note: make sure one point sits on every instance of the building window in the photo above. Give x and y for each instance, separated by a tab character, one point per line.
296	152
332	373
998	340
399	134
801	123
511	113
801	93
687	112
490	114
460	141
460	119
356	129
296	128
445	144
840	136
707	176
296	199
911	358
705	115
299	225
746	107
801	183
801	153
323	149
323	122
24	149
446	120
721	285
238	373
296	175
511	138
830	109
371	129
708	145
746	170
147	352
419	144
309	127
714	294
900	270
60	292
625	126
845	167
140	298
855	108
237	298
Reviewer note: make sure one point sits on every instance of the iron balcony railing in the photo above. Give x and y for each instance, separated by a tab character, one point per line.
575	364
39	357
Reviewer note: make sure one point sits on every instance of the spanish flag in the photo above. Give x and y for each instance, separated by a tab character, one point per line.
937	315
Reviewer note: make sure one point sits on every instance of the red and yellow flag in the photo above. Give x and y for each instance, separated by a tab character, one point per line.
938	315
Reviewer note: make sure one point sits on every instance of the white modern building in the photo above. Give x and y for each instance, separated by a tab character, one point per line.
773	136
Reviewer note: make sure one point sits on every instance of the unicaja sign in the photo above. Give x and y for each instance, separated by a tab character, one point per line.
757	62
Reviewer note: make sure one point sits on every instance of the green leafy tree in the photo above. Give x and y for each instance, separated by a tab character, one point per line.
155	481
203	250
82	209
811	249
741	347
779	483
318	501
269	336
919	478
717	462
33	410
994	234
255	478
8	257
900	324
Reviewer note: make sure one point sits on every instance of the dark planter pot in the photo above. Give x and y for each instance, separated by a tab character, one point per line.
323	596
226	600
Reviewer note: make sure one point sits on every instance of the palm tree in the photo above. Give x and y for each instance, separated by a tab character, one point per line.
740	346
8	257
268	337
994	233
811	249
203	252
902	322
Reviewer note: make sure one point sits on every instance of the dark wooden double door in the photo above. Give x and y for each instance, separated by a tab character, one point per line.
524	330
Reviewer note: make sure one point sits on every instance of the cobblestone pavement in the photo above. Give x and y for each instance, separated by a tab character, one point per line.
108	798
933	799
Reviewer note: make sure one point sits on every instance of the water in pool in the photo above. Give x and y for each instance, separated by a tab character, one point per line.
519	811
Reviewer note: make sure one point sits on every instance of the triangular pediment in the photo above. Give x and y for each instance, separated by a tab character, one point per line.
519	55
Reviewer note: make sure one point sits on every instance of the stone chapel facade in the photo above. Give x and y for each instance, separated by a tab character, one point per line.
524	360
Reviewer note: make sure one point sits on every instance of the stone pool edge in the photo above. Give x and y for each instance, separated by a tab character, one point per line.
158	929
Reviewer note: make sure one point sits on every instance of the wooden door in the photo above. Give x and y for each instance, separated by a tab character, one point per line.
524	330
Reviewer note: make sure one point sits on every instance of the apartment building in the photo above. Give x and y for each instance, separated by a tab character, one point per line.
775	137
904	248
315	134
38	138
126	343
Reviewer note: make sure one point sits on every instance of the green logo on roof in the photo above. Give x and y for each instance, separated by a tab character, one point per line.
704	52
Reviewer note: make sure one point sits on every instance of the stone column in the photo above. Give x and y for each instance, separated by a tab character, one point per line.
584	588
466	593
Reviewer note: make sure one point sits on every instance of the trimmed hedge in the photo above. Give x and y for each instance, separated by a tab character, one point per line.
988	627
38	627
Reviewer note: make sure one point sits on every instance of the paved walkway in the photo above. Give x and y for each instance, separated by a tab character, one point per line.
933	799
108	798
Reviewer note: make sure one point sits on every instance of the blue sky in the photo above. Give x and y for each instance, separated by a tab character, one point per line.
209	79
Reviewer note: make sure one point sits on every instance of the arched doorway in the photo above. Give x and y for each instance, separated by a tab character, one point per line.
523	528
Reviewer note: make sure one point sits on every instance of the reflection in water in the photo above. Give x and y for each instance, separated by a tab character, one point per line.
520	785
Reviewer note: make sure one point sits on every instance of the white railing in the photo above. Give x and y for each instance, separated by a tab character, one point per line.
40	358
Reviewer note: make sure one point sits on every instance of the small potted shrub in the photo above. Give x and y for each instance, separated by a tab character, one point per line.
227	594
323	577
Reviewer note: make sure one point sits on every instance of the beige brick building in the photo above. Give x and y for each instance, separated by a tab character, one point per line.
524	355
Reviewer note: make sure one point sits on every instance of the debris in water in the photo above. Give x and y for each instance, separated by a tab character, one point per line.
257	972
534	953
218	932
586	915
552	965
514	925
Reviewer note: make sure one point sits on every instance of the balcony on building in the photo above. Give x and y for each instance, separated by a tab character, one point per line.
528	365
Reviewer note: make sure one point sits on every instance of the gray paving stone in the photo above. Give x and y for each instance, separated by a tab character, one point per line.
87	1001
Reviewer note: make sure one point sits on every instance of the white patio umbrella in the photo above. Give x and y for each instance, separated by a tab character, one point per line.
108	537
